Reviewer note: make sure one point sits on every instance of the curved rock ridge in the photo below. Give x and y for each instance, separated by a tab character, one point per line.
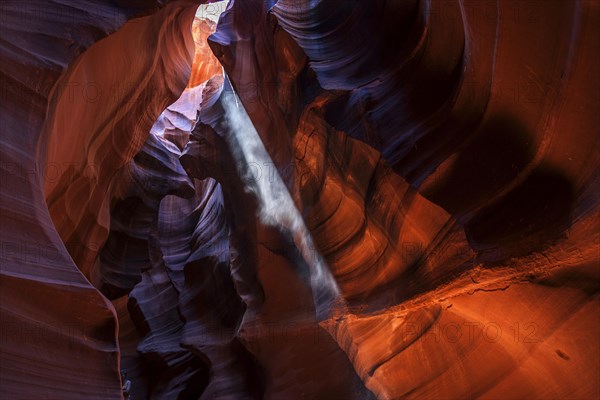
518	207
275	60
373	229
57	330
393	248
267	272
525	313
169	242
421	223
189	270
177	121
402	86
118	122
452	99
175	372
154	173
208	155
196	239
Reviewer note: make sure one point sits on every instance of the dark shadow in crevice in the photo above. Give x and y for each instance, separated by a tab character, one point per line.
500	149
529	218
526	219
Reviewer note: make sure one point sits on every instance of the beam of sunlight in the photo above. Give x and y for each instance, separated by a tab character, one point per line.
276	205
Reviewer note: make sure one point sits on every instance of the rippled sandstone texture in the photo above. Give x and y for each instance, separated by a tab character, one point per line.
443	156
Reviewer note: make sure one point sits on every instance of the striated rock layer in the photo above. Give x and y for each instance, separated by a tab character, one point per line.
375	200
454	100
68	123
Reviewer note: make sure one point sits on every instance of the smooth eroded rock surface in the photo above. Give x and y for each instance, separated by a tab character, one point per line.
304	200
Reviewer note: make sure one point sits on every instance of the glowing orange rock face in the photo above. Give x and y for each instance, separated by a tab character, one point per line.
442	154
205	63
